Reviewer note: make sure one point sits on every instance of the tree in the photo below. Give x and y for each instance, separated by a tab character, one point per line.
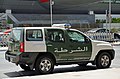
114	20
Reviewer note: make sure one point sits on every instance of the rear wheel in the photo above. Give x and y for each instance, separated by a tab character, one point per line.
44	65
103	60
25	67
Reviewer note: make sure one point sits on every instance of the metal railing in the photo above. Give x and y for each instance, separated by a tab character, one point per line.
4	40
101	36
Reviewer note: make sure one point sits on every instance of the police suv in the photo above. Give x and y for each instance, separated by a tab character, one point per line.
41	48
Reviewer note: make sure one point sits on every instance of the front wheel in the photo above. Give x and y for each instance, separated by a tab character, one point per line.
44	65
103	60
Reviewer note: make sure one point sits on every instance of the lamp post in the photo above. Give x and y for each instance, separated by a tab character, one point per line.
106	20
109	15
51	12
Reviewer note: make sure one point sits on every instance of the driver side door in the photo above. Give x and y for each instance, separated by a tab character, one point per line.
80	46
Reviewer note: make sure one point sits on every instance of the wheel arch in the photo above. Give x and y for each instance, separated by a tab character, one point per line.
49	54
111	52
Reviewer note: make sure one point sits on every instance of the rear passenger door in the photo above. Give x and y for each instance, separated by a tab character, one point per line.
56	44
34	40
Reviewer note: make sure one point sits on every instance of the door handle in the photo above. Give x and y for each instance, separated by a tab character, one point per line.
50	45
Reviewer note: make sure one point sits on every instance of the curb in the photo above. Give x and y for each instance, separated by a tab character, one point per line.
111	73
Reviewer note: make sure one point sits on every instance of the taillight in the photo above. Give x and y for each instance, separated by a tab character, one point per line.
22	47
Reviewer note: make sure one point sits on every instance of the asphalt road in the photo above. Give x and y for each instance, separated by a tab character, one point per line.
9	70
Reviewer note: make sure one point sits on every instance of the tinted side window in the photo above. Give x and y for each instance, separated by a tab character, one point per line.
101	31
34	35
55	35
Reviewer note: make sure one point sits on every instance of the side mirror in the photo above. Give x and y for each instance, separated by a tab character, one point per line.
87	40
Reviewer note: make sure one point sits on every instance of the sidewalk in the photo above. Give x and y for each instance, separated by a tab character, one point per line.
111	73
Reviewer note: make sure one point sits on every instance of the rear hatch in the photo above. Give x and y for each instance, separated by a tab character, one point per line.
15	40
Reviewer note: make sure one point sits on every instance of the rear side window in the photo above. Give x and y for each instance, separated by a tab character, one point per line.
34	35
55	35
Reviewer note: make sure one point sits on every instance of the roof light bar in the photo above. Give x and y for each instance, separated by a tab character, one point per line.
62	25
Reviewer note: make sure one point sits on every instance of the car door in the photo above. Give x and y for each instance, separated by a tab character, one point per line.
80	47
34	40
57	44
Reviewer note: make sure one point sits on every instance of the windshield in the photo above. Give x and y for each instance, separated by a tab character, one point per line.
16	34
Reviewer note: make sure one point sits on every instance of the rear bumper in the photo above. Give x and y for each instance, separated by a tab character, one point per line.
12	58
21	58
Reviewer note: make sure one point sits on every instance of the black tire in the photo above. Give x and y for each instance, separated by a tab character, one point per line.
44	64
25	67
103	60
